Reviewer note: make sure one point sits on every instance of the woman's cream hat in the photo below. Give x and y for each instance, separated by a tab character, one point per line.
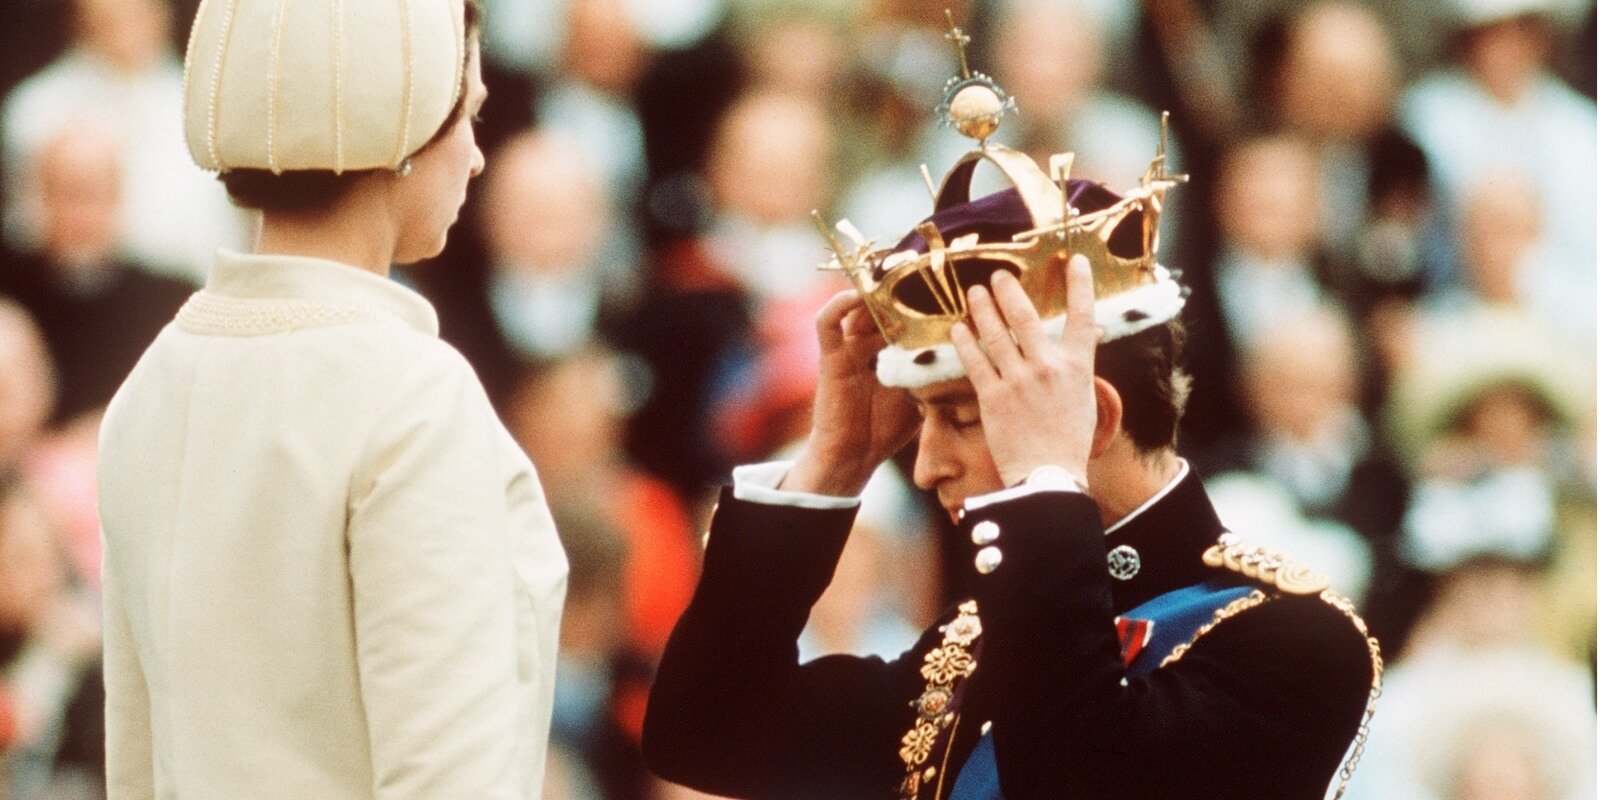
335	85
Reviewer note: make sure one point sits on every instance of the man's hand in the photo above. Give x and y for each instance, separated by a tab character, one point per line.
1036	396
857	423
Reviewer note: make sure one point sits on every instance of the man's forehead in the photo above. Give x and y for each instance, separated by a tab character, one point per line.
945	393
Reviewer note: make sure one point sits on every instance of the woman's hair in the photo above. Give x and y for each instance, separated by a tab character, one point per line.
314	190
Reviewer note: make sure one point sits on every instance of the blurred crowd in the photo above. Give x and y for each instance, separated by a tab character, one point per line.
1389	234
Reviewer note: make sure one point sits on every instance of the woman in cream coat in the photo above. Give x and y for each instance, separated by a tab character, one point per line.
329	571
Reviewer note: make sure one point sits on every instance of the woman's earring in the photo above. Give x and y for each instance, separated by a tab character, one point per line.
405	168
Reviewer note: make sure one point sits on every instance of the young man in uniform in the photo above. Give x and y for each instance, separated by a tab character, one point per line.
1120	642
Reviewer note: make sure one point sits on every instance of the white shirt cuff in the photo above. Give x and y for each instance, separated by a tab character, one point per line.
1043	479
758	483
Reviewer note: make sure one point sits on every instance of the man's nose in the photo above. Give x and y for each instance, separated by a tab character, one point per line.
932	464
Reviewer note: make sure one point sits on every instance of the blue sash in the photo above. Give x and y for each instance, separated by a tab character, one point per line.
1174	618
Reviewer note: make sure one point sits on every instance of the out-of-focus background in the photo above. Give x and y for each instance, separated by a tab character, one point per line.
1390	236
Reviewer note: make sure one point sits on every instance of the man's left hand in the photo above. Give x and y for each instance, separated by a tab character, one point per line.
1036	396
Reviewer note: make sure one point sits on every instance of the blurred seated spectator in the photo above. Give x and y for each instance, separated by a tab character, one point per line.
768	169
27	383
1485	408
569	416
121	70
51	728
1498	108
594	754
1314	480
1329	74
554	260
795	48
1499	723
61	470
97	312
1269	266
590	94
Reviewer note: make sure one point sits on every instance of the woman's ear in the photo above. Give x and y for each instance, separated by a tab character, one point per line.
1108	416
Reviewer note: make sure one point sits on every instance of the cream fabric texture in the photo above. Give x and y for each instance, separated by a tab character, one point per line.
320	84
329	570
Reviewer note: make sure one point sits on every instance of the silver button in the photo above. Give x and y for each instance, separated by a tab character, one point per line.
1123	562
985	532
988	560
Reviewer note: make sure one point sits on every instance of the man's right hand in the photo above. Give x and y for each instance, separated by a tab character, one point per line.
857	423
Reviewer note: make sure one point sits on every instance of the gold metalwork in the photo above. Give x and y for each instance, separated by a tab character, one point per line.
975	104
960	39
1267	566
1375	652
1233	609
943	667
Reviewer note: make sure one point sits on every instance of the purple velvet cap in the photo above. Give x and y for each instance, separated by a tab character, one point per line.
999	216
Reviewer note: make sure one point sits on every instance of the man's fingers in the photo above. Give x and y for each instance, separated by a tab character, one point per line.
991	331
979	369
830	320
1080	329
1021	317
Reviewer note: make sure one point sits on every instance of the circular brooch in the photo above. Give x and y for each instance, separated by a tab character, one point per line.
1123	562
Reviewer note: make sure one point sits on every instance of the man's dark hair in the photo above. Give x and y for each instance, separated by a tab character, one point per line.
1144	369
315	190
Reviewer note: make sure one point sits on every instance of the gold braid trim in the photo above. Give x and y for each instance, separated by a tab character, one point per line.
1376	653
1343	605
943	667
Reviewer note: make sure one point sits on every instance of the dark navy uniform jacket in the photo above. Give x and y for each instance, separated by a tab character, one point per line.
1264	705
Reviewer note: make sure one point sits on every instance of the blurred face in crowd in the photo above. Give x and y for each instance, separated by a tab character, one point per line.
799	55
1506	56
602	48
769	162
1499	762
27	388
1338	78
130	34
1498	227
569	418
1300	377
544	204
427	201
32	570
1507	423
1488	605
79	178
1049	55
1270	203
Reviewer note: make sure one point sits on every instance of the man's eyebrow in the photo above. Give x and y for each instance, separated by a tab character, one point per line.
948	399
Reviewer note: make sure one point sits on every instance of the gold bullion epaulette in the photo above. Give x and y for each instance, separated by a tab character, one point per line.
1265	566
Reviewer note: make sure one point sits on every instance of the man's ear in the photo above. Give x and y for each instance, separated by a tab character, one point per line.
1108	416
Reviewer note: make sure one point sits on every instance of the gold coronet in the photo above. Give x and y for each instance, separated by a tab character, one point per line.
916	299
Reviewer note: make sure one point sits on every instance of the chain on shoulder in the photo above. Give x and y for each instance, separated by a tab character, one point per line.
1376	653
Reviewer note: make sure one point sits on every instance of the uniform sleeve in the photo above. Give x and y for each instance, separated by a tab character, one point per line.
431	574
130	768
733	712
1273	695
